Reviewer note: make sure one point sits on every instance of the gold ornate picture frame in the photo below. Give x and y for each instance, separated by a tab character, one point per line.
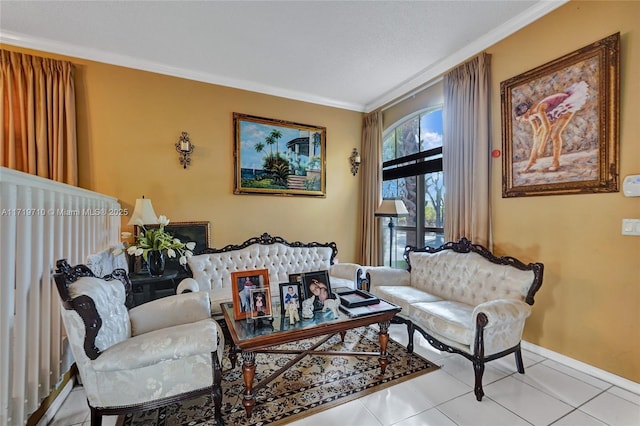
560	124
277	157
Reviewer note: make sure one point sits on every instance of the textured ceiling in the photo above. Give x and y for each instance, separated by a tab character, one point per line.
356	55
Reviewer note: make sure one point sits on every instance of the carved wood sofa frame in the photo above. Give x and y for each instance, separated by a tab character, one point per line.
85	307
343	271
266	239
478	358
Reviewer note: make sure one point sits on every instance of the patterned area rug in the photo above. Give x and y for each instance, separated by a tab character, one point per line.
315	383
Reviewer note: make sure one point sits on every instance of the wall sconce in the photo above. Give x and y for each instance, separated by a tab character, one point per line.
355	161
185	149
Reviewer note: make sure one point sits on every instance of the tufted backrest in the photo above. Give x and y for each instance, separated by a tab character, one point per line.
470	274
106	261
109	299
213	271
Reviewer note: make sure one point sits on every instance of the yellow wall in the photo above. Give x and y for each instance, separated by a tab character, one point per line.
128	123
589	304
588	307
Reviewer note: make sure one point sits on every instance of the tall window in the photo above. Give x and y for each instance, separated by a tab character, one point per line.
412	172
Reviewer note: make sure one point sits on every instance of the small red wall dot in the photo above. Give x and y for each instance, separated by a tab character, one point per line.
495	153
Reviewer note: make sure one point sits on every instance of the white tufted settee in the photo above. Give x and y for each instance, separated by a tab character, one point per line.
212	269
462	299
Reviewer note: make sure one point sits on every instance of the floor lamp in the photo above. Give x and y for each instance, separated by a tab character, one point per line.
391	208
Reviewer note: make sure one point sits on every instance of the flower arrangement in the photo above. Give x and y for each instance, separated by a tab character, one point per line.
160	240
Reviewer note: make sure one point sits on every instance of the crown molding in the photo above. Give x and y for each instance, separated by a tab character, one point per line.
436	70
45	45
410	85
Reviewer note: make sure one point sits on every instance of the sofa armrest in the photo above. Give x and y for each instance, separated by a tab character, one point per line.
384	276
347	271
161	347
187	285
502	311
170	311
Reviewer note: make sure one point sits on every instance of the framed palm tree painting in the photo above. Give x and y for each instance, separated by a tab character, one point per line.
276	157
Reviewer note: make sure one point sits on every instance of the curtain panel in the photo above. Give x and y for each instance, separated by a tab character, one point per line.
371	175
466	146
37	106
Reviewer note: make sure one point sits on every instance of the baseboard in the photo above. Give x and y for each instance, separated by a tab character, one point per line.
618	381
51	404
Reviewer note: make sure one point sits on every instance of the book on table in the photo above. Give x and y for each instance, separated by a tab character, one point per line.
359	311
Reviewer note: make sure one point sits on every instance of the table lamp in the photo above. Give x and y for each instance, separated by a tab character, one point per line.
143	213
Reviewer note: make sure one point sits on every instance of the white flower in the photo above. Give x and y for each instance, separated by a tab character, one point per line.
191	245
158	239
116	251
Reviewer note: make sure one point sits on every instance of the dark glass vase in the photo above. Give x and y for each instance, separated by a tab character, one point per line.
155	260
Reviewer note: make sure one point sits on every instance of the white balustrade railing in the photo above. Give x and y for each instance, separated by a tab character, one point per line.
41	221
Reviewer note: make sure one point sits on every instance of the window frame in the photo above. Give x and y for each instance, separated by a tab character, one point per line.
420	165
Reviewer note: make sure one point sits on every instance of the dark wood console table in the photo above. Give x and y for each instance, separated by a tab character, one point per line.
147	288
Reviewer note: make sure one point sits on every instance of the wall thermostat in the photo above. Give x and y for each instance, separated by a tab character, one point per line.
631	186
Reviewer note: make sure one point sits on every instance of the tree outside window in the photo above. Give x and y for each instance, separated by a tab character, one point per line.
412	172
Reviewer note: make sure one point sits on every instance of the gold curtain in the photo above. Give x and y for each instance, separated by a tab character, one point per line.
38	110
371	175
466	146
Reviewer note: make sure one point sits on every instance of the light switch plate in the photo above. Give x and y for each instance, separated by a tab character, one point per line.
630	226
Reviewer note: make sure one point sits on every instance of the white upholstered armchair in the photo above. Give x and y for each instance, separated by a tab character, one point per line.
140	358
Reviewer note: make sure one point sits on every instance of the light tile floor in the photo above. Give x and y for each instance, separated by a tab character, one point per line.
548	393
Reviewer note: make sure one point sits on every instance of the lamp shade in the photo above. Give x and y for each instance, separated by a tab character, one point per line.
143	213
392	208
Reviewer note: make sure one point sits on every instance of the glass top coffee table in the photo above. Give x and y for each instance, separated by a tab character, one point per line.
249	338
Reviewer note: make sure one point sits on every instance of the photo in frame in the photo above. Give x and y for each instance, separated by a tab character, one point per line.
243	284
261	303
560	130
317	284
197	231
290	292
278	157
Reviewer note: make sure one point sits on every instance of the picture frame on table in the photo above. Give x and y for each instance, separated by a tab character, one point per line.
560	130
261	303
277	157
317	284
289	291
243	285
296	278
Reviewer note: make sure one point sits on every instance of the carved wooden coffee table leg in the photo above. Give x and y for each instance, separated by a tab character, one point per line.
248	372
383	337
342	334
